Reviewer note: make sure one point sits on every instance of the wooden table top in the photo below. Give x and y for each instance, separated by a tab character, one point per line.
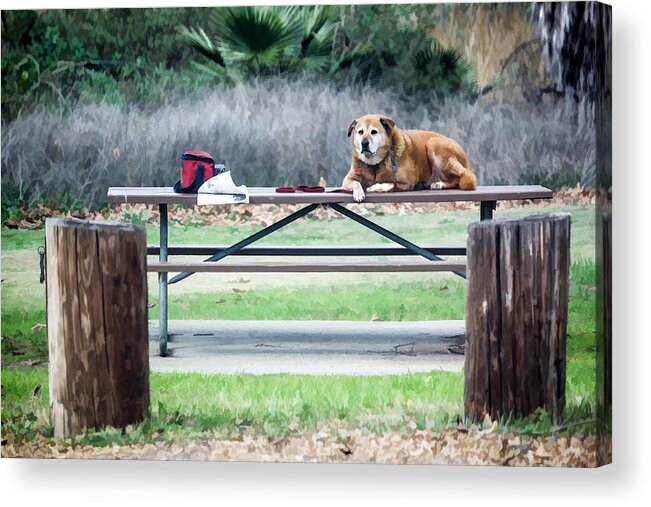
268	195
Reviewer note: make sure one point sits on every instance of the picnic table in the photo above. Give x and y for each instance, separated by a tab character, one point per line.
486	196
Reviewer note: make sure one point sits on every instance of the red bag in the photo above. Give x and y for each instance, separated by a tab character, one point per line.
197	167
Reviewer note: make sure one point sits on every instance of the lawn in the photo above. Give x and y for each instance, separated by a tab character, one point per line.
192	404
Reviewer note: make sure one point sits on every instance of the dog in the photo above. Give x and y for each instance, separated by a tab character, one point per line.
387	159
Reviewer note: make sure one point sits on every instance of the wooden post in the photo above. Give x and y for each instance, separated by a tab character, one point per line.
96	325
516	316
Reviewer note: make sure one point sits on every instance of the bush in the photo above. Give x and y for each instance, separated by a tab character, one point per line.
59	56
273	132
402	54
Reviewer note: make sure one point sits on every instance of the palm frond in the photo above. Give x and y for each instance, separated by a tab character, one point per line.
318	25
198	40
255	36
211	68
319	28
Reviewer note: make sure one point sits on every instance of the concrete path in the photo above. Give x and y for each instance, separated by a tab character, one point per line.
308	347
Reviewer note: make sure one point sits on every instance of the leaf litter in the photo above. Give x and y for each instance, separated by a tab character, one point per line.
333	443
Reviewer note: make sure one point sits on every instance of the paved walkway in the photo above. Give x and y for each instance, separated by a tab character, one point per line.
308	347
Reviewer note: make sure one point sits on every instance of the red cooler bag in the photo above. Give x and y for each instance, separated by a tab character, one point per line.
197	167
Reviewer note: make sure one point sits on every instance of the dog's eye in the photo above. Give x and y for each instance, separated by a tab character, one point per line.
373	132
360	131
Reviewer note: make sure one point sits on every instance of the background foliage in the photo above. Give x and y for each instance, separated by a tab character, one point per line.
92	98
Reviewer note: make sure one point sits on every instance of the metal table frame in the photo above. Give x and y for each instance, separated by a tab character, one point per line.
409	248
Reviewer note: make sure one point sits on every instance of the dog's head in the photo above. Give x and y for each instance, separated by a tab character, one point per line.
371	137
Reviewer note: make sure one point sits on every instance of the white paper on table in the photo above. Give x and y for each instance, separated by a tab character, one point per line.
220	189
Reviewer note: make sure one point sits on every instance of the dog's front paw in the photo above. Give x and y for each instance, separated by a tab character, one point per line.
358	193
438	185
380	187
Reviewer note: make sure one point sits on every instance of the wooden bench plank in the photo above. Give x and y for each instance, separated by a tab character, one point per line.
268	195
277	250
322	267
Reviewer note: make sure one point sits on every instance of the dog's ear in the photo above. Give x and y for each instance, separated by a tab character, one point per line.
351	127
387	123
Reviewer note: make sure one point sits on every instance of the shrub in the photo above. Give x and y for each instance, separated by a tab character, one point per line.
59	56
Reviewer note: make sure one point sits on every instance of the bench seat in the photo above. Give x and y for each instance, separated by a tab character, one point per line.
308	251
320	267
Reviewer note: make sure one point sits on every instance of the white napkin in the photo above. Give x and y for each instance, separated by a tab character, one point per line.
220	189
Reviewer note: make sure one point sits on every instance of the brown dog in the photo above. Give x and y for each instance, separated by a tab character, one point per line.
387	159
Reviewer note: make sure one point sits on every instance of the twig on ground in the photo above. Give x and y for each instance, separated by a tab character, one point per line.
457	349
394	350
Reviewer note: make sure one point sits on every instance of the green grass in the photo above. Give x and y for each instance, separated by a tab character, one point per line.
22	240
189	404
186	405
226	406
396	301
429	228
23	308
193	404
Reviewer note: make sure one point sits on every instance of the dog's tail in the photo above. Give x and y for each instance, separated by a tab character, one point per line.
467	180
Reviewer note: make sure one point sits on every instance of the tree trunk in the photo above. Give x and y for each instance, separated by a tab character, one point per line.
516	316
96	325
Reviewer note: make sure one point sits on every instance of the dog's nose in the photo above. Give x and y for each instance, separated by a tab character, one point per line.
365	144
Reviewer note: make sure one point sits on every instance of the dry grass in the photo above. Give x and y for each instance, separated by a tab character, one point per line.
275	133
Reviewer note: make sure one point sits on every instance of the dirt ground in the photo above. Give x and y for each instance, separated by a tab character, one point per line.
447	447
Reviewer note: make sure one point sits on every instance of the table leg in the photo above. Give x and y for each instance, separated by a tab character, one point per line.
162	283
486	210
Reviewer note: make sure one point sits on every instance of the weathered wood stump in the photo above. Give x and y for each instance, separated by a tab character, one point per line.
516	316
96	325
